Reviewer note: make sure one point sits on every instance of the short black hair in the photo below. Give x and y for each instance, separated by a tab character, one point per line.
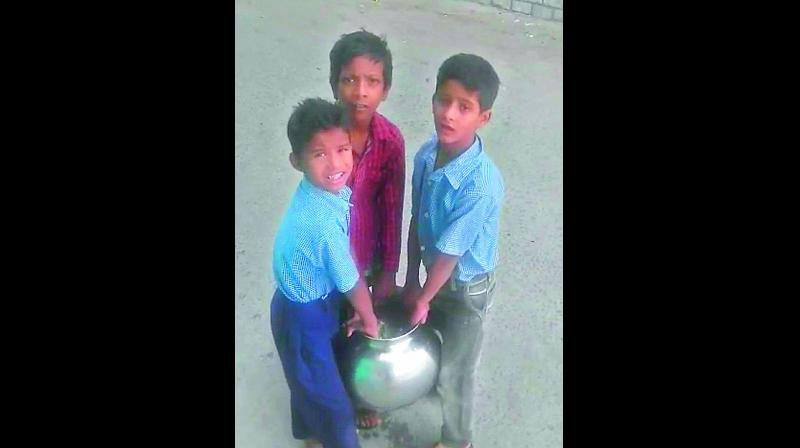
311	116
475	73
360	43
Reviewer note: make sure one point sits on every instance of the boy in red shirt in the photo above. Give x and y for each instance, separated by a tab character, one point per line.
360	77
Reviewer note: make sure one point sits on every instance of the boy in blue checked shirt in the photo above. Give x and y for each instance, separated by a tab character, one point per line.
313	268
457	193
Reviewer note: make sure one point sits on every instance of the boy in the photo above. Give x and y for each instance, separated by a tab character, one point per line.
360	78
312	264
457	193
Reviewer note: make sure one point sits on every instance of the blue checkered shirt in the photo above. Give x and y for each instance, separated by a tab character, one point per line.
458	208
311	256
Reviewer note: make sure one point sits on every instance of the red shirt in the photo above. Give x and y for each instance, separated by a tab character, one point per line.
378	183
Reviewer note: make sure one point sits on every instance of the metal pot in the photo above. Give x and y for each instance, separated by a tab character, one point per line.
395	369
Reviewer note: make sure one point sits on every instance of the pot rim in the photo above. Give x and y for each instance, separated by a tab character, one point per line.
394	338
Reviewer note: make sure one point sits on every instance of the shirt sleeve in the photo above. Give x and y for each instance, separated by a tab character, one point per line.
391	201
466	221
339	262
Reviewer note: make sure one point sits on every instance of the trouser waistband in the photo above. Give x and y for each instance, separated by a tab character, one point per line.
477	285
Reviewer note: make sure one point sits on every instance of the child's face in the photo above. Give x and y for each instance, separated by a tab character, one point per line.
361	88
457	115
327	160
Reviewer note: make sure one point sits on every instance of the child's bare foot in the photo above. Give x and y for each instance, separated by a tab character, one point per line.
312	443
368	419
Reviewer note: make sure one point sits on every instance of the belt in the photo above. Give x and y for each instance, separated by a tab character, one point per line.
477	285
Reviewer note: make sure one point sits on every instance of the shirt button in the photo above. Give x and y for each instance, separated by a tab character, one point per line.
422	248
427	215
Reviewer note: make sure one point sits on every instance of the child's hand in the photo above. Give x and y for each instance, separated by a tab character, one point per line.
411	293
357	323
419	312
384	287
370	328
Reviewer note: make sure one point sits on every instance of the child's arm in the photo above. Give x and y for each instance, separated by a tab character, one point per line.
414	258
468	215
364	319
342	270
391	201
412	288
441	270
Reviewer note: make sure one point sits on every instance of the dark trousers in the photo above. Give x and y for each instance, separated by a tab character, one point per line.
303	334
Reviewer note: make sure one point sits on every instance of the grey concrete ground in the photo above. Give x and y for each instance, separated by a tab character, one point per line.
281	57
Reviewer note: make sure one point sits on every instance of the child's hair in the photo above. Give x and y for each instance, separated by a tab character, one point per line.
360	43
475	73
311	116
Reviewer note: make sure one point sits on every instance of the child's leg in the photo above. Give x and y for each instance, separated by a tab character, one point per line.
326	406
320	407
459	318
286	346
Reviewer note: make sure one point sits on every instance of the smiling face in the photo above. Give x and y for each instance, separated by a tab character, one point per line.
457	115
361	88
327	160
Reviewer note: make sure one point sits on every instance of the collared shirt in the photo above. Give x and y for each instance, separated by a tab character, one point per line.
311	256
378	183
457	208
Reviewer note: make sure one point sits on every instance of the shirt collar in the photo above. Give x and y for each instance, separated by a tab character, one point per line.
341	201
379	128
459	168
